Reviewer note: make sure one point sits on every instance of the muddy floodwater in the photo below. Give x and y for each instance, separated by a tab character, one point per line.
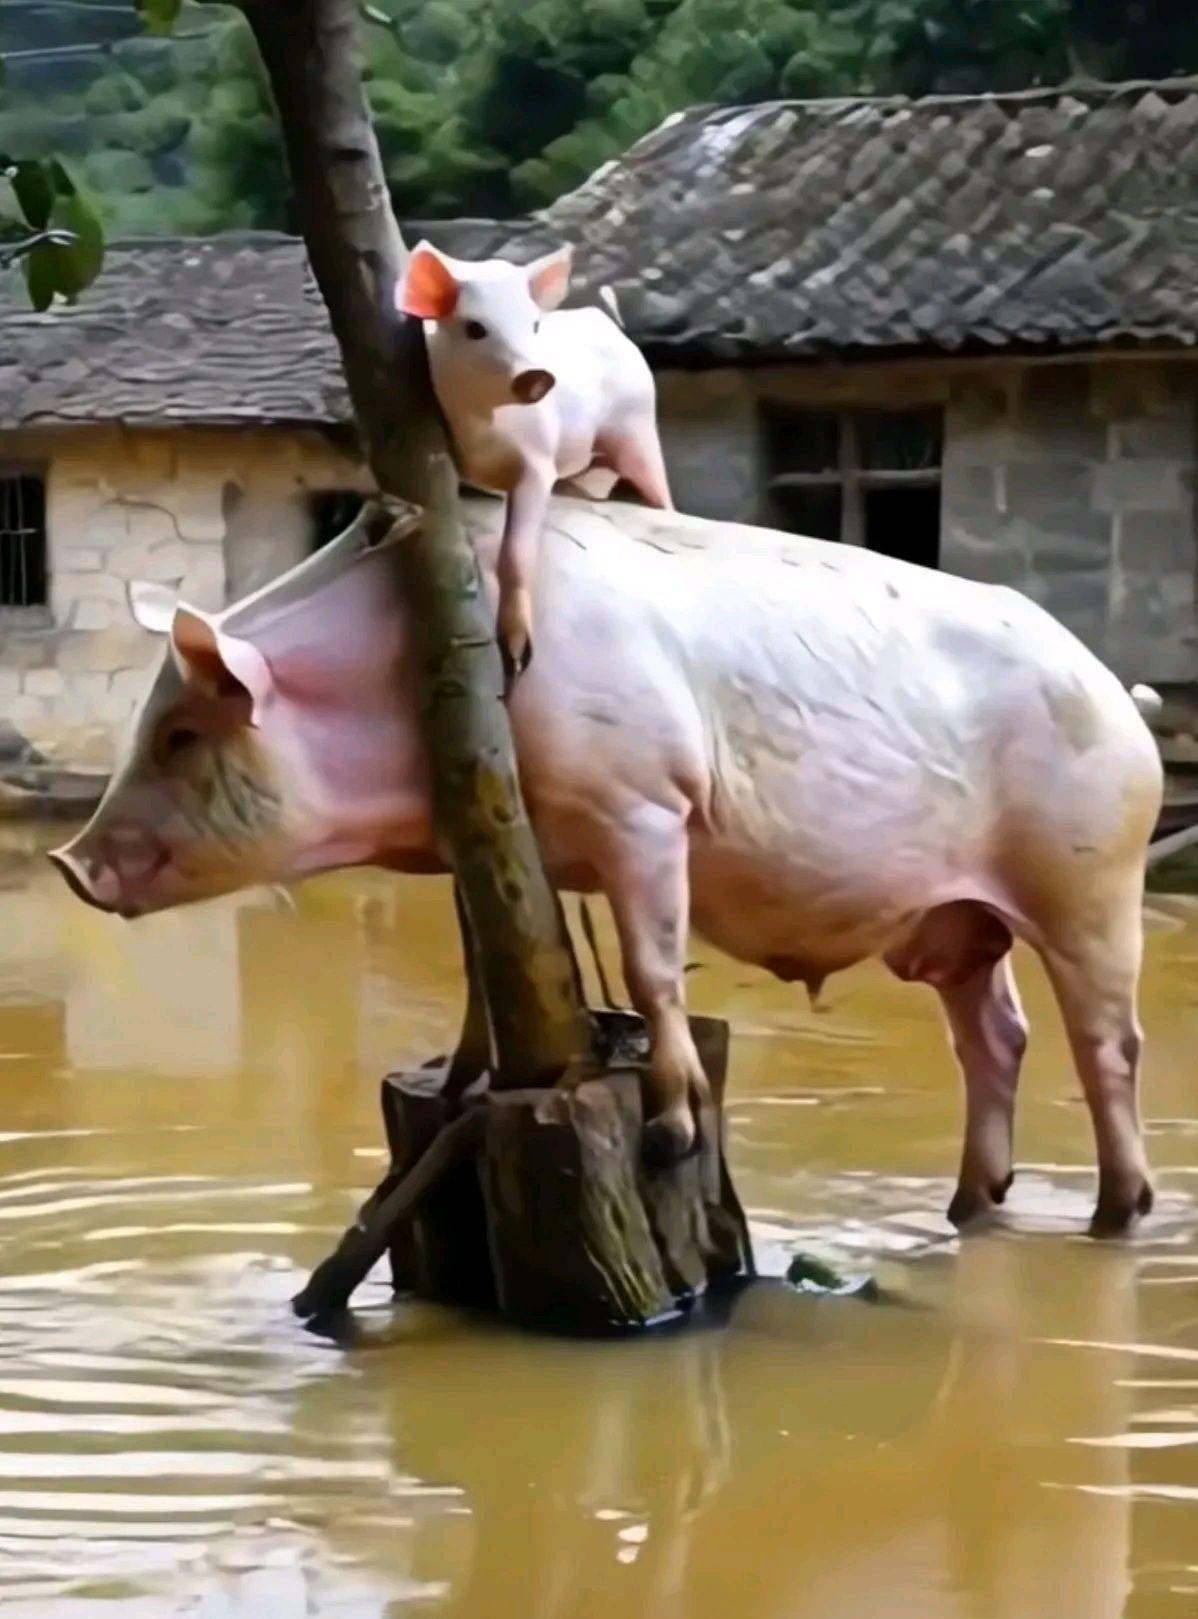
188	1112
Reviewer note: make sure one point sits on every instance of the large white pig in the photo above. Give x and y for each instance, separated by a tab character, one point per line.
532	394
812	753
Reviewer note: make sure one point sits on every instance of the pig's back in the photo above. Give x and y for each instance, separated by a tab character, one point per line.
863	731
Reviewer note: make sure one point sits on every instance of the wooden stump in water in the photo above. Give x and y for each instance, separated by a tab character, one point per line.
543	1206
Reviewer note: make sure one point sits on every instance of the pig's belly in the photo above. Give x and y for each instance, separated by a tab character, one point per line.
805	920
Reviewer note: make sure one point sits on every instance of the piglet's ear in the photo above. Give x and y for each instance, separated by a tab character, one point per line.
429	288
549	278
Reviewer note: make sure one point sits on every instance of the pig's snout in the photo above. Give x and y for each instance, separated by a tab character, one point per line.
113	870
530	386
87	878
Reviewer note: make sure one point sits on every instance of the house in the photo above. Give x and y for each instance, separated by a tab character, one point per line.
962	330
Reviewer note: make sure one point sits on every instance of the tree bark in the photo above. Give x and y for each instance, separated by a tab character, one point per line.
312	54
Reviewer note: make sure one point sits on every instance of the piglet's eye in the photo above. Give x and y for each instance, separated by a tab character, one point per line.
475	329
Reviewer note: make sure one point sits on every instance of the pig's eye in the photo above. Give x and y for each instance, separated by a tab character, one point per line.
179	741
475	330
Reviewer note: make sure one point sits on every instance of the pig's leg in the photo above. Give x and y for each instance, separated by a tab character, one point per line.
636	456
524	518
645	877
989	1033
1095	976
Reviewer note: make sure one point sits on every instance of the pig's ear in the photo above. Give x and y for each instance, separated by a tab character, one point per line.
152	606
196	651
429	288
549	278
222	665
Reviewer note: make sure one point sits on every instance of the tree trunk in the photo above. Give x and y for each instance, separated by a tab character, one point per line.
311	51
539	1202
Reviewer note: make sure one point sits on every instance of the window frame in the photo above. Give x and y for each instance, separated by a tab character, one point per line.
850	476
32	615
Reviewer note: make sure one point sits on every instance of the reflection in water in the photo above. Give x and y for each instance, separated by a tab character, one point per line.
188	1110
809	1460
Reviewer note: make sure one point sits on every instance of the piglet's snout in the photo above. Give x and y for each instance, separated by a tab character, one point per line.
530	386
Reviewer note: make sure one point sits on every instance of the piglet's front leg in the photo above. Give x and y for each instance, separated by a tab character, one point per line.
527	504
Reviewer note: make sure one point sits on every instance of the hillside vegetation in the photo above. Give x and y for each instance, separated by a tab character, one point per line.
492	107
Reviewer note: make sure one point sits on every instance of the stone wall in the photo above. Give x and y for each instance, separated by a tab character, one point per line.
209	513
710	441
1076	485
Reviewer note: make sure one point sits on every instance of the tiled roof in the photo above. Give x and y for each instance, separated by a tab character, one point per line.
1059	219
216	331
1064	217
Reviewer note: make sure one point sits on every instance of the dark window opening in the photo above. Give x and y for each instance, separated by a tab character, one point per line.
332	511
814	510
24	577
900	441
863	477
806	441
904	523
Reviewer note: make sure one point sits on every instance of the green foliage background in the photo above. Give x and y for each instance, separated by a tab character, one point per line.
491	107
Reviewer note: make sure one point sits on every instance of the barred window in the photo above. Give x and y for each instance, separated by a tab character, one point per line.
23	572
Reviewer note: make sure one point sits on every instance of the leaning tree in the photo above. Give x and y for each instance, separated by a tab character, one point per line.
525	978
623	1246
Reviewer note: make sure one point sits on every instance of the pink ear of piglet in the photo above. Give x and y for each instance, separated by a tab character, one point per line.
549	278
428	288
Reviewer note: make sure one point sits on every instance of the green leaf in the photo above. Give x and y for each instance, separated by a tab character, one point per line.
78	265
40	277
34	188
65	269
159	16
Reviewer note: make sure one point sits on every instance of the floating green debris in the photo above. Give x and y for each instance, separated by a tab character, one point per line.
807	1274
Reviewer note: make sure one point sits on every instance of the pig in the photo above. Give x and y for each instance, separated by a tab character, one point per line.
533	394
812	753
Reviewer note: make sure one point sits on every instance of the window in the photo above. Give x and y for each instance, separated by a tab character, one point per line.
23	575
865	477
331	512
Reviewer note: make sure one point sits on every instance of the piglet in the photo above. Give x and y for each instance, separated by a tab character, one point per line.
532	394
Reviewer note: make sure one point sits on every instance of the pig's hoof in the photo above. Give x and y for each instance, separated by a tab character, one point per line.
1119	1208
974	1207
667	1138
515	659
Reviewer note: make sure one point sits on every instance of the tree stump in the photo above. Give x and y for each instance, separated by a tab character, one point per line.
542	1206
